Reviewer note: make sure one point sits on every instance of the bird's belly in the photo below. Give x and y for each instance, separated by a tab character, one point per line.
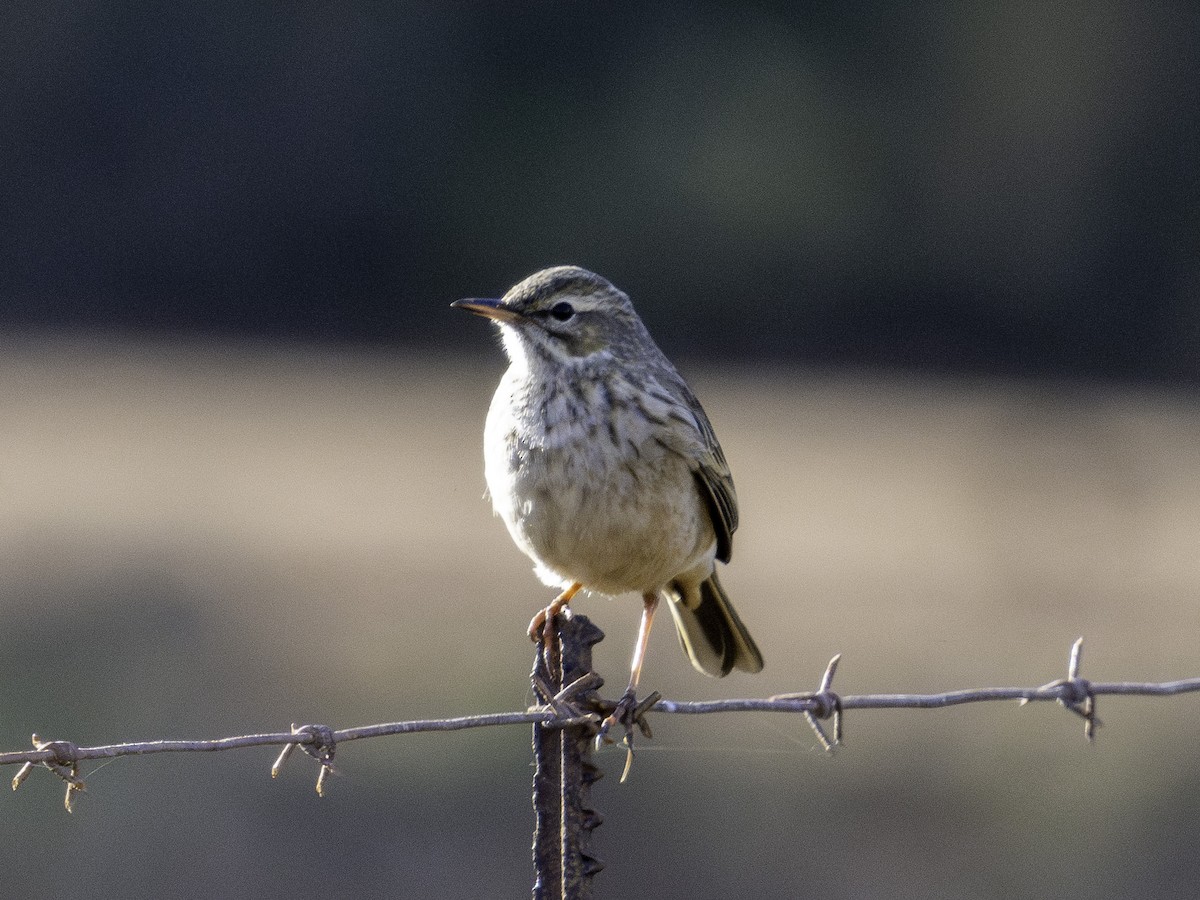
613	522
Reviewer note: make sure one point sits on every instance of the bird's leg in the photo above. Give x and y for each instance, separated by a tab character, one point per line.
649	605
627	711
542	626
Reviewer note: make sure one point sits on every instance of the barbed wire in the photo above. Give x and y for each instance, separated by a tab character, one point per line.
563	710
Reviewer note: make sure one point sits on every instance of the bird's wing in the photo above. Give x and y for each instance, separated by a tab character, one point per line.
716	486
700	447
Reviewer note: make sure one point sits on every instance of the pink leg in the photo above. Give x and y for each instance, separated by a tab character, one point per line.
649	605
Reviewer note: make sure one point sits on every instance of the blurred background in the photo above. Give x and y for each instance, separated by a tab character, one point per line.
933	270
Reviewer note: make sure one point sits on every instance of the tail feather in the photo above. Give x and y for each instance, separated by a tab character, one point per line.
710	631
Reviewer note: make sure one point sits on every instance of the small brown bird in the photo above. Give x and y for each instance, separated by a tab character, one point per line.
605	468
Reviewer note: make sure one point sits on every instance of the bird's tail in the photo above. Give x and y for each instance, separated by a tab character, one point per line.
710	632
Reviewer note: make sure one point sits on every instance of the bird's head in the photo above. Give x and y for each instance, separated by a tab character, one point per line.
563	315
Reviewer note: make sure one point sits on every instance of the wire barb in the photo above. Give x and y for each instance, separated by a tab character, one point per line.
319	743
824	703
1075	693
563	703
63	762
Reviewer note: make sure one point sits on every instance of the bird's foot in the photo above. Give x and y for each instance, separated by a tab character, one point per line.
541	626
627	713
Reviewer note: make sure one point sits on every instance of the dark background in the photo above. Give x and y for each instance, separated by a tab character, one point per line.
932	268
978	187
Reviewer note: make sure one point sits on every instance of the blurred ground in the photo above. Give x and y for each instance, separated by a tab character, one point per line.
199	540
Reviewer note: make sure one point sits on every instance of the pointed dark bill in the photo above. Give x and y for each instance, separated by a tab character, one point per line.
489	309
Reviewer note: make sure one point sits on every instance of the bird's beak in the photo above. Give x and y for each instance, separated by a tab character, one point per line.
489	309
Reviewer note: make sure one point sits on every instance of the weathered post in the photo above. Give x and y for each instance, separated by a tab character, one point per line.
564	774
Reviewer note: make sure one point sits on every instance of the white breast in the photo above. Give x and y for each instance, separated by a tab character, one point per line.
612	508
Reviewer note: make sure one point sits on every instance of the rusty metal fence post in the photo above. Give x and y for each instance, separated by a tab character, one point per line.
564	770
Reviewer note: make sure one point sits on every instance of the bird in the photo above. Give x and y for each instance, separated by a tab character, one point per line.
606	471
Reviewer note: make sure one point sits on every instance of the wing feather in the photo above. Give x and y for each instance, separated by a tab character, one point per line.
713	477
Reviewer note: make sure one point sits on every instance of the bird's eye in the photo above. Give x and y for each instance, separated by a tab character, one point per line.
562	311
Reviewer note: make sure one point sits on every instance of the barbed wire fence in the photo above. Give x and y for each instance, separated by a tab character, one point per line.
565	726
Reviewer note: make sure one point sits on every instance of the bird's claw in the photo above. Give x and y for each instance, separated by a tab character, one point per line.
627	712
537	625
541	626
